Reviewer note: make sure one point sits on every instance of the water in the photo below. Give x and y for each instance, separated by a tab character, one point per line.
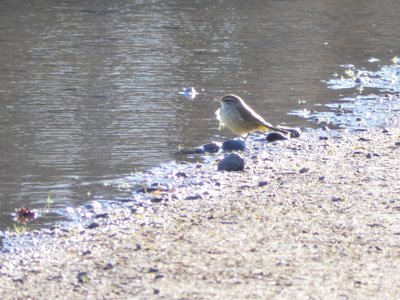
88	89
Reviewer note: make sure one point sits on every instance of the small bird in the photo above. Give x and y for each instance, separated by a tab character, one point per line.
240	118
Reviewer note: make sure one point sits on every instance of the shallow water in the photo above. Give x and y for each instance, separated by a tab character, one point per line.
89	88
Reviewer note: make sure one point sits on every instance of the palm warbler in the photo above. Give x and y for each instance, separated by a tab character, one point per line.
240	118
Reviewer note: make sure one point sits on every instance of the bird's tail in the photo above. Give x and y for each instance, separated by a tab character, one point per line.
266	127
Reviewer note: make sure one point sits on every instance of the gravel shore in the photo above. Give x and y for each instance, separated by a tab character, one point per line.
309	218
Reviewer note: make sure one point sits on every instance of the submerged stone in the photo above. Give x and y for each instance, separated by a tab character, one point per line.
190	151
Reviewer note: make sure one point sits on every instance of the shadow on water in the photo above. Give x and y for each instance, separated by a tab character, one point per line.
89	89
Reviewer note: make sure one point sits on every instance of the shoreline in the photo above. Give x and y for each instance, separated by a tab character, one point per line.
314	217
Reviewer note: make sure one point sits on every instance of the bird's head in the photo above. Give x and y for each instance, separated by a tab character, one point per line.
230	100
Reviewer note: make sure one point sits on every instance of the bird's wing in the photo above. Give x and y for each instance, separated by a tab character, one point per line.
249	115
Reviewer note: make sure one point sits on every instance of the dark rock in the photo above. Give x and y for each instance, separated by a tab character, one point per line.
231	162
82	277
194	197
146	190
336	199
304	170
156	291
181	174
152	270
323	138
93	225
362	139
275	136
211	148
370	155
108	266
262	183
294	132
190	151
104	215
233	145
156	200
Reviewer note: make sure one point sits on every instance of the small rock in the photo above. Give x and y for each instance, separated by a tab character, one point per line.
275	136
233	145
146	190
336	199
294	132
152	270
82	277
262	183
156	291
103	216
373	154
369	155
323	138
211	148
181	175
93	225
156	200
362	139
304	170
231	162
193	197
108	266
397	144
190	151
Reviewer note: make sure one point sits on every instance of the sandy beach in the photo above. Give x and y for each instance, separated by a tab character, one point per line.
309	218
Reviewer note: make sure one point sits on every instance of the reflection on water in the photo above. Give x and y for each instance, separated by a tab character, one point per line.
89	89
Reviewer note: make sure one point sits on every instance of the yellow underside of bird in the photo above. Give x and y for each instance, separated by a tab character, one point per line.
240	126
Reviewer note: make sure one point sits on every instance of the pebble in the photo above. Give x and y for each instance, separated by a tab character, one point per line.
108	266
211	148
82	277
231	162
93	225
275	136
156	200
103	215
181	175
190	151
294	132
233	145
304	170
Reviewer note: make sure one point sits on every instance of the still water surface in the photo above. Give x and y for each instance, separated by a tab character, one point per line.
88	89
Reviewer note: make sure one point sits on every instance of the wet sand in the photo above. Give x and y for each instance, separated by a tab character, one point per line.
311	218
